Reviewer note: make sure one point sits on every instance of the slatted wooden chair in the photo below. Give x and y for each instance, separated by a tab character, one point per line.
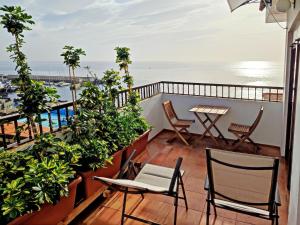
180	126
244	183
243	132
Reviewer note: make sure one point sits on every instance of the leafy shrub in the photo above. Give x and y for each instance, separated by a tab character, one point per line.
27	182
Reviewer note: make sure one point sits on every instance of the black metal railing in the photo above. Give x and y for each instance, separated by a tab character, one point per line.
145	91
16	131
11	135
245	92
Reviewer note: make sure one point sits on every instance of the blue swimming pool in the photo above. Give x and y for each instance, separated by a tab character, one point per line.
54	118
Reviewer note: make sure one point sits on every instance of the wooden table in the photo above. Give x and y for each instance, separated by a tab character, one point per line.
212	114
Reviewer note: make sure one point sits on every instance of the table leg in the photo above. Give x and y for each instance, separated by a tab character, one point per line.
207	128
217	129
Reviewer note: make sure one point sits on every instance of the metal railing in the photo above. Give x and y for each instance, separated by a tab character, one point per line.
61	114
245	92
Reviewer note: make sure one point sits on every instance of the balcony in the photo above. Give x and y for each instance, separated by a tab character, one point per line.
160	209
243	101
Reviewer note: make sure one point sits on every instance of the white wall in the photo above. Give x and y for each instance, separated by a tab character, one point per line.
153	112
269	130
294	207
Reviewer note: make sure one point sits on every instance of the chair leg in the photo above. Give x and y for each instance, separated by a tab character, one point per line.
183	191
207	211
176	208
256	146
277	216
215	210
181	137
241	139
124	206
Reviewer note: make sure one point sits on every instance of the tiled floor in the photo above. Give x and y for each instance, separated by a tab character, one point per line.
160	209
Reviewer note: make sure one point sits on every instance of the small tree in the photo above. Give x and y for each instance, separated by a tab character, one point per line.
34	96
72	60
123	59
111	82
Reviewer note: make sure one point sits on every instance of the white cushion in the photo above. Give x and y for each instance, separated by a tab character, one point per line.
157	175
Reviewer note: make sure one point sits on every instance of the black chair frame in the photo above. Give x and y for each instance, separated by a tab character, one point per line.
274	198
175	194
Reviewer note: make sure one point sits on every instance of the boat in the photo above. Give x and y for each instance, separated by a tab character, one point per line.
62	84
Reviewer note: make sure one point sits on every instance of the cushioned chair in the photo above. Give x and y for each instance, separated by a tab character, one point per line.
242	183
178	125
243	132
151	179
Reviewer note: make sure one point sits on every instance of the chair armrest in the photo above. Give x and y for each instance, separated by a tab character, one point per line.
206	184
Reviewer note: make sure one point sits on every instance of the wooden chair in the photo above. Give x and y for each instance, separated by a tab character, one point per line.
179	125
243	132
152	179
244	183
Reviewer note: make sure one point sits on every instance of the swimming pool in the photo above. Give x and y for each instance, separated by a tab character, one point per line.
54	118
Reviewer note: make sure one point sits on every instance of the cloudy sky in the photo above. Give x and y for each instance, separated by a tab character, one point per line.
155	30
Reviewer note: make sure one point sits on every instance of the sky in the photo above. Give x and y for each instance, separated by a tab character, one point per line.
155	30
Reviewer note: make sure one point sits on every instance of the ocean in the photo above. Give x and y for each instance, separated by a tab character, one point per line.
266	73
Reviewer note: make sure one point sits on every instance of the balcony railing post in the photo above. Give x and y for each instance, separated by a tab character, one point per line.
3	136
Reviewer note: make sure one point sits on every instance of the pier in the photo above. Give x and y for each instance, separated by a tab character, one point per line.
47	78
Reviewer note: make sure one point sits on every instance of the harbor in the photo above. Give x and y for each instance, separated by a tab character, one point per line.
8	91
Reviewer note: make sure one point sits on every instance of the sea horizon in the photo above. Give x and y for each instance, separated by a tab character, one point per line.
267	73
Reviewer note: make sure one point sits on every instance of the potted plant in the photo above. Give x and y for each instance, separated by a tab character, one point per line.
132	110
34	185
94	130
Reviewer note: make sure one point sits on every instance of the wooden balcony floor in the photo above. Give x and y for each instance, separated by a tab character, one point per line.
160	208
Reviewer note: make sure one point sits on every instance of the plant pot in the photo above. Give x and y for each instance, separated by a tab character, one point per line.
51	214
139	145
91	186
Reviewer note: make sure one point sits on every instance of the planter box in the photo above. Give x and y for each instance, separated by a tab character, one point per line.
51	214
139	145
91	186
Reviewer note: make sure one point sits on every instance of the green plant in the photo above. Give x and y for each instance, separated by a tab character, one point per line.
111	82
94	154
34	96
91	98
123	59
71	57
27	182
49	146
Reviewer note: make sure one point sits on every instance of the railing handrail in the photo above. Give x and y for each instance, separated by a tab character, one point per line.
221	84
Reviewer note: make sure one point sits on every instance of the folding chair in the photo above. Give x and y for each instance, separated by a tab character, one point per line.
178	125
243	132
242	183
151	179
